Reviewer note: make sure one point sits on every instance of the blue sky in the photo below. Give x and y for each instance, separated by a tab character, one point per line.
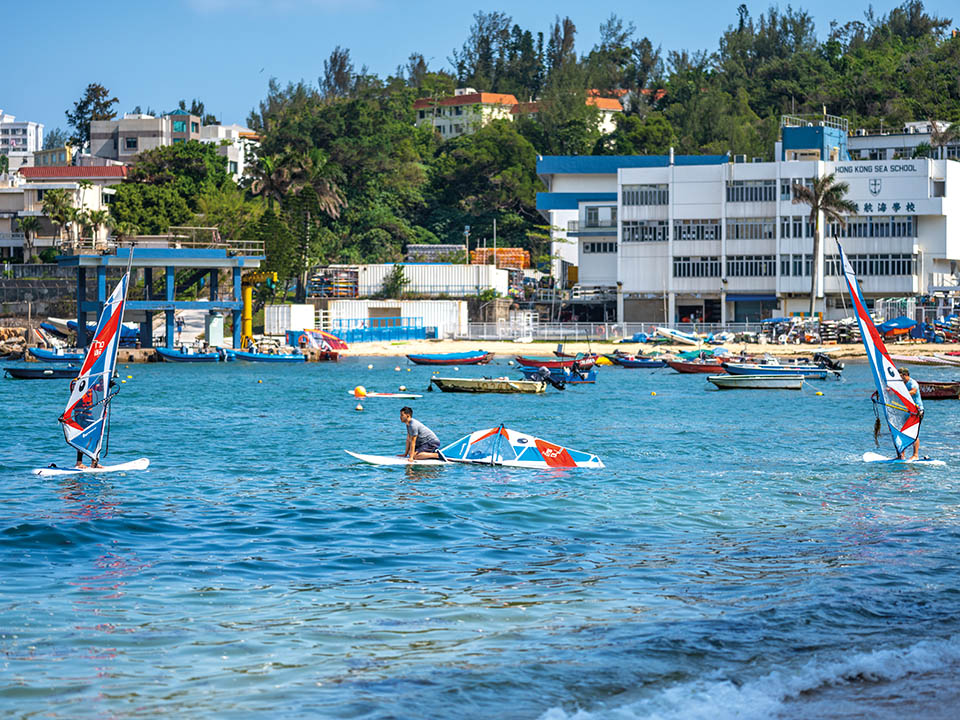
223	52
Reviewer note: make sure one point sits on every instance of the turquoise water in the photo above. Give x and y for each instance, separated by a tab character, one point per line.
735	559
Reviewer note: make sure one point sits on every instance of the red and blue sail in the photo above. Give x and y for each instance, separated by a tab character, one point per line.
86	416
900	411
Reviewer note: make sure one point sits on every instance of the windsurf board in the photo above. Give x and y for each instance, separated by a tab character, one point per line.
872	457
139	464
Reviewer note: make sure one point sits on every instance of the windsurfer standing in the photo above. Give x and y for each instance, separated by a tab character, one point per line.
422	442
83	412
913	387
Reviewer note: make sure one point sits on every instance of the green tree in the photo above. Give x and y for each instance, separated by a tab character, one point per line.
29	226
189	168
152	208
826	196
635	135
57	206
228	209
56	138
95	104
395	282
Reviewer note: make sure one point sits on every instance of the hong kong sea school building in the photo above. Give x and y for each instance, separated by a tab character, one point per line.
718	239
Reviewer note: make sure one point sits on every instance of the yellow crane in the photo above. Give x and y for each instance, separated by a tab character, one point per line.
249	282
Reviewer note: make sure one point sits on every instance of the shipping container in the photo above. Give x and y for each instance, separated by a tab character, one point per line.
277	319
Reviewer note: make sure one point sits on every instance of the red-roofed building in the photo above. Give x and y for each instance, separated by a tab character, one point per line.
463	113
608	107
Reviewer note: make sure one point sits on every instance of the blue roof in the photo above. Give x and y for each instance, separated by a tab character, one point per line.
609	164
571	201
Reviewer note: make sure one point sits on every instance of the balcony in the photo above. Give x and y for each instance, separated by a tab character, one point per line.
11	239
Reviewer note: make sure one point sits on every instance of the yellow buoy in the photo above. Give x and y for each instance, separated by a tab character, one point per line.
408	369
359	407
259	382
123	381
653	392
129	377
819	392
359	391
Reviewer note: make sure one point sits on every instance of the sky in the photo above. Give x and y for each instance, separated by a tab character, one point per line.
223	52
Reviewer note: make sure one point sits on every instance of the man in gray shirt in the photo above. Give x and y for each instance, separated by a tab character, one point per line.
422	442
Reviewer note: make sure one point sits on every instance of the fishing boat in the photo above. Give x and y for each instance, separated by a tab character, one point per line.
41	373
930	360
293	357
807	370
476	357
489	385
757	382
678	336
57	355
551	363
193	356
499	446
86	418
939	390
697	366
641	362
569	376
892	399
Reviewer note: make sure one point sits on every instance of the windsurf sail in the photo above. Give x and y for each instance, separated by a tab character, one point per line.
503	446
86	417
899	410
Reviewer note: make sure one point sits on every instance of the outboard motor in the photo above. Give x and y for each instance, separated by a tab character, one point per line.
828	361
544	374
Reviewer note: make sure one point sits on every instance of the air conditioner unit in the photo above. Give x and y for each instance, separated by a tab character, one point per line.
739	158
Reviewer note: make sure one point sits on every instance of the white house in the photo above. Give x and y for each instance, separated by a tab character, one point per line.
19	139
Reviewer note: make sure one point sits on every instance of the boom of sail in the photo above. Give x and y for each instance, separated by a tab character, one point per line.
86	417
899	410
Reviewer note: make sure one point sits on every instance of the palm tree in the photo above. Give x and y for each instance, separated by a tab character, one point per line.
29	225
125	229
271	178
940	138
313	168
826	196
57	206
97	219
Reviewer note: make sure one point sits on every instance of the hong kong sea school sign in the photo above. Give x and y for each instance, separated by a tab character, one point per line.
875	185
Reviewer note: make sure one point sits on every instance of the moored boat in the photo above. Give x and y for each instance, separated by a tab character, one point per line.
191	356
56	356
757	382
476	357
809	371
41	373
584	363
939	390
569	376
697	366
488	385
641	362
268	357
679	336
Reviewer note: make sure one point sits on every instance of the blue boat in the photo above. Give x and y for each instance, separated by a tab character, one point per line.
809	372
641	362
218	355
56	356
129	332
476	357
42	372
268	357
567	375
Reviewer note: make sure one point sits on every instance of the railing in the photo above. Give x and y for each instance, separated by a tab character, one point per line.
584	331
37	270
232	247
389	329
12	239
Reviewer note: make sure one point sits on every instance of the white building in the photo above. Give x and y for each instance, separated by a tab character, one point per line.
900	143
235	142
19	139
666	238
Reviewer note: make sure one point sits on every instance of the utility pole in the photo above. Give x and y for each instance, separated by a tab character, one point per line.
495	242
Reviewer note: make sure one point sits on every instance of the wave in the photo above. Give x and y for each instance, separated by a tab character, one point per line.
769	695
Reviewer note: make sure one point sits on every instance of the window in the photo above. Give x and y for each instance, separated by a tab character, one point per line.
646	195
179	125
696	229
884	265
696	267
939	188
177	140
422	114
40	195
751	190
600	247
786	189
233	167
751	266
194	127
458	110
643	231
593	216
751	228
130	143
878	226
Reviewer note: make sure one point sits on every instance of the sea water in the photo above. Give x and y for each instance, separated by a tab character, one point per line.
735	559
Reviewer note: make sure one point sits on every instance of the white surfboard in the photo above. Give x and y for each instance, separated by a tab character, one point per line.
872	457
392	460
139	464
407	396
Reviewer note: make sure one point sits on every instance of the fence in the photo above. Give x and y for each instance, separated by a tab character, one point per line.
599	332
388	329
18	271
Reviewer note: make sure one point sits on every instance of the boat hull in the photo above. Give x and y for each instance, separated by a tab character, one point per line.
489	385
474	358
552	364
809	372
181	357
41	373
933	390
267	358
695	367
757	382
44	355
641	363
565	374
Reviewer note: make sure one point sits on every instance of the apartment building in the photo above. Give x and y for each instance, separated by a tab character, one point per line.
235	142
661	238
900	143
135	133
19	139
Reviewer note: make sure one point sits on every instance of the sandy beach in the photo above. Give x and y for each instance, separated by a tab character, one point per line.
509	349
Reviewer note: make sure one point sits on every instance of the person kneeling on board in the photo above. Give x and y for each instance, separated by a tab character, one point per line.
422	442
913	387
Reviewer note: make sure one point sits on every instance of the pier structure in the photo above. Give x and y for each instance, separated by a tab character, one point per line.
206	262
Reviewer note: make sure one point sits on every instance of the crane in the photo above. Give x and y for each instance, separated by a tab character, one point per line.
249	282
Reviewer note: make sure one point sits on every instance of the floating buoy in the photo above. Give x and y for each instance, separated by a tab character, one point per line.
509	362
123	381
397	368
359	407
457	369
359	391
408	369
819	392
129	377
370	367
403	388
259	382
652	392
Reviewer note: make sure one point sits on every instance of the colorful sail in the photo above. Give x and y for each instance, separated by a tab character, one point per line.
900	412
502	446
86	416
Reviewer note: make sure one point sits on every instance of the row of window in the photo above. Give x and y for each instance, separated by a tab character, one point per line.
13	131
599	247
751	190
646	194
881	265
440	112
181	126
786	186
796	226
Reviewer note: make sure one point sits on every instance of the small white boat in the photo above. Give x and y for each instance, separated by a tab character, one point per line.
757	382
678	336
921	360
